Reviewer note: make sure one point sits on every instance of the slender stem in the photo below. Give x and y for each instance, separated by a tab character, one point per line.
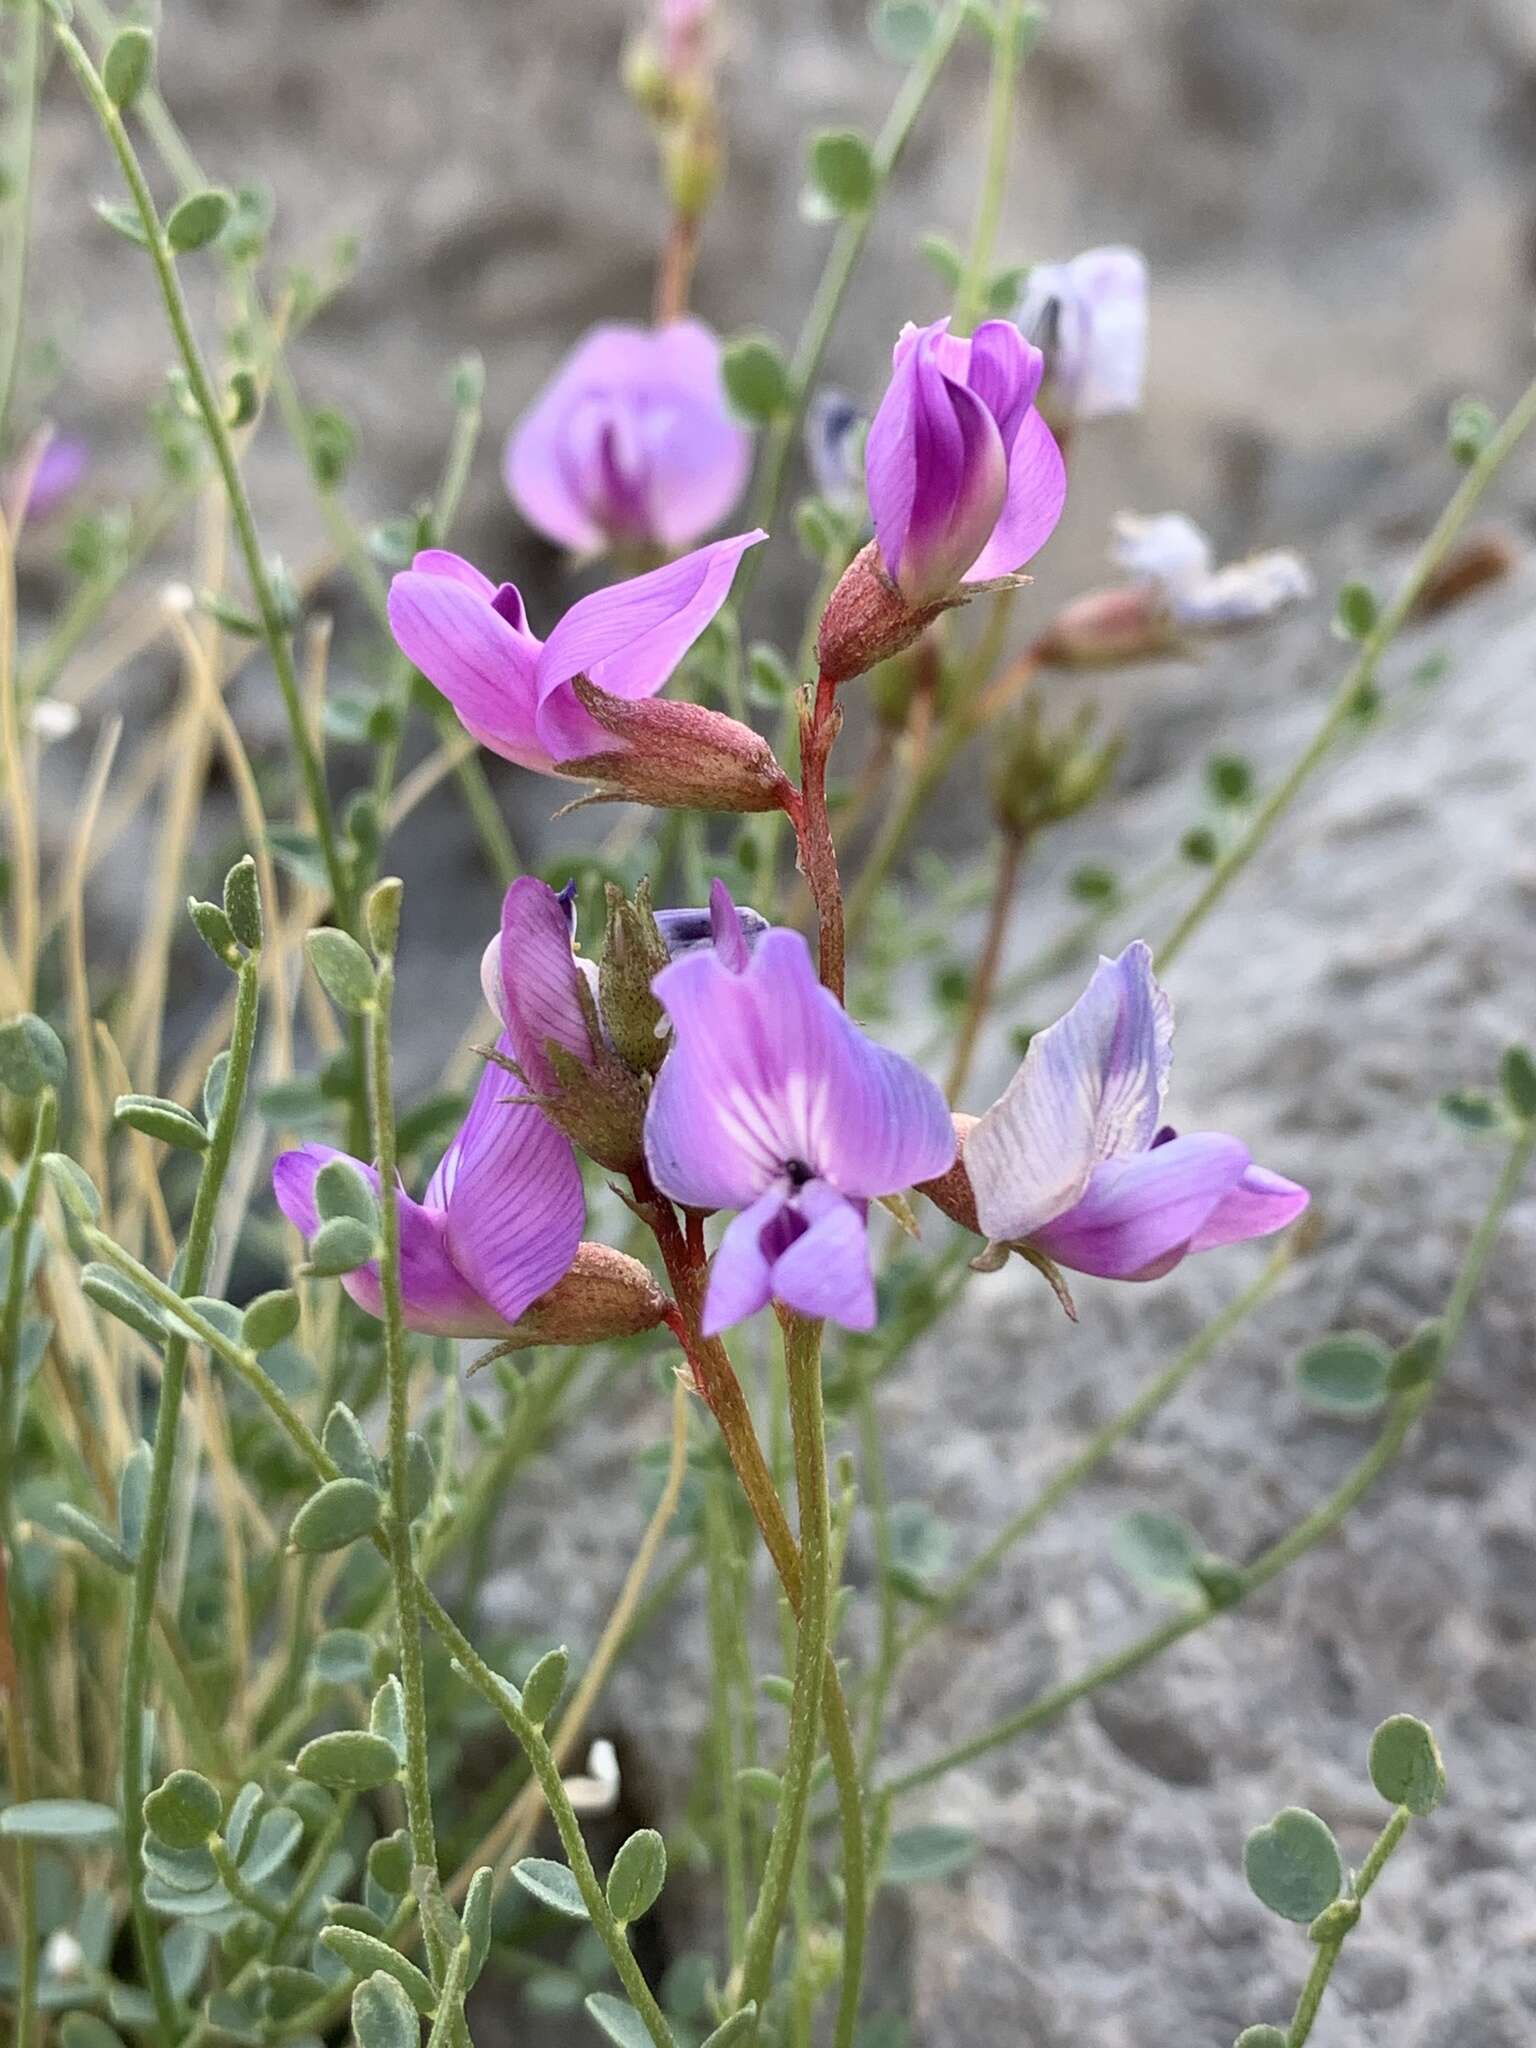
971	296
13	1683
1405	1410
237	1887
802	1365
146	1576
1071	1475
721	1564
842	260
717	1382
314	1869
674	272
876	1491
542	1763
1359	675
274	630
26	79
978	1000
450	2001
1328	1951
402	1564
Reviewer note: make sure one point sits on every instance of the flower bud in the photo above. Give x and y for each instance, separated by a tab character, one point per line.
952	1191
1105	628
634	953
677	755
867	619
1042	777
606	1294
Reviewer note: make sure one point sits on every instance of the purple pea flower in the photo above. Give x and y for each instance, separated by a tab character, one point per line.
965	480
49	474
1090	317
773	1103
498	1227
1075	1162
631	443
578	703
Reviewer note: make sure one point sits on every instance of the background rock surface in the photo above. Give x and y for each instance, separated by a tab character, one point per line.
1336	202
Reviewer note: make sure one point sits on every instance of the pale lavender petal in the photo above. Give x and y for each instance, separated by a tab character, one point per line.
55	476
740	1274
1138	1217
766	1070
1090	1088
540	984
1260	1203
1037	491
537	466
826	1271
699	455
1111	285
437	1297
513	1196
479	661
688	931
629	638
725	928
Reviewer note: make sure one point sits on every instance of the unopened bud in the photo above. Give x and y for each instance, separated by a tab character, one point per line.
952	1191
1042	777
606	1294
634	953
599	1104
1106	628
675	755
867	619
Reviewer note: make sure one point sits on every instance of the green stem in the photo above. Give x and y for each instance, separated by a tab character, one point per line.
246	1894
978	1002
1071	1475
450	2002
721	1563
314	1870
1328	1952
970	297
13	1683
842	260
876	1492
26	81
402	1564
146	1575
542	1763
802	1365
209	405
1360	674
1405	1410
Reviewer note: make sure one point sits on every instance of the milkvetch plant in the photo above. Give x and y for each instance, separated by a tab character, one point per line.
279	1340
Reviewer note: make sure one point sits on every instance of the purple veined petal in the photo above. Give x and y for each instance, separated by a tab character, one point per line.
740	1281
540	983
1139	1216
1036	494
1261	1202
767	1069
568	731
629	638
513	1196
1004	371
826	1270
436	1296
960	483
479	661
1090	1088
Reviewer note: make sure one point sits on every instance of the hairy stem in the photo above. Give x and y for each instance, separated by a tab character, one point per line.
1328	1952
970	299
26	80
802	1365
402	1565
211	407
146	1576
978	1001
